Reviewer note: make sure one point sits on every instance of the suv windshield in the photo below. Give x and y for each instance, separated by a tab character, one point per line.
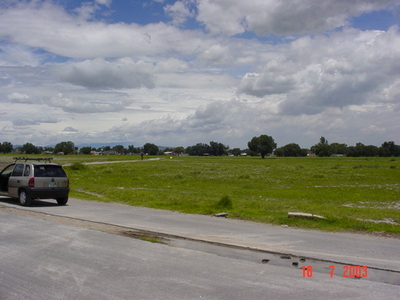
49	171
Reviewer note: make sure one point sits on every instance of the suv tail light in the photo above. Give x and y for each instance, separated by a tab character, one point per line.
31	182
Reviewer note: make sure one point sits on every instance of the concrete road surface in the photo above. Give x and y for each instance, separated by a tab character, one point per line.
40	259
357	249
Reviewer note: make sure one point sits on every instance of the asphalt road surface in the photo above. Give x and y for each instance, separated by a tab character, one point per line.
49	252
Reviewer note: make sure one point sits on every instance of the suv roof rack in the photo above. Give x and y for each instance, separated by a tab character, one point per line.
48	159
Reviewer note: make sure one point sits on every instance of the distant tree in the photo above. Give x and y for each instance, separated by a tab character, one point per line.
65	147
264	144
371	150
351	151
279	152
178	150
29	148
49	149
235	151
132	149
151	149
85	150
119	149
336	148
290	150
357	151
199	149
322	148
389	149
6	147
218	149
383	152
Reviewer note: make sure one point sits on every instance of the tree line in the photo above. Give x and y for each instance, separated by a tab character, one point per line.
323	148
68	147
263	145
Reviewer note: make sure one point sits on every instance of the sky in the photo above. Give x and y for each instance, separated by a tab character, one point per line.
178	73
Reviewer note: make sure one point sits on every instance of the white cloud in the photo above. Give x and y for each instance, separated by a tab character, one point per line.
372	129
171	65
19	98
281	17
104	2
216	53
82	106
53	29
180	11
197	80
349	67
174	84
235	122
18	55
101	74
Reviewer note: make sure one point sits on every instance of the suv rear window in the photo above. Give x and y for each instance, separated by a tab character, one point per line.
49	171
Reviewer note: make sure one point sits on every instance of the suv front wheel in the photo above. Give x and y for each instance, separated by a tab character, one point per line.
24	198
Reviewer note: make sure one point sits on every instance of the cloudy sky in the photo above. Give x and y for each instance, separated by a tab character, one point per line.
176	73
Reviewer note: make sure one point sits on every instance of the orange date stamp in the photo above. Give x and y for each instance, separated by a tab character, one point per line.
348	271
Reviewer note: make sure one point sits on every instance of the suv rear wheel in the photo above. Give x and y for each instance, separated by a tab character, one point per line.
62	201
24	198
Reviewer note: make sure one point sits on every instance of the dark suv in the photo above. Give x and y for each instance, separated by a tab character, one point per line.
34	178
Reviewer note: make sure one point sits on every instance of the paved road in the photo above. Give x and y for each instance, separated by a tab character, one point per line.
356	249
43	260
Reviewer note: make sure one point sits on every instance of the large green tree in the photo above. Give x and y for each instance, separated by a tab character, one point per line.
218	149
85	150
151	149
199	149
119	149
6	147
337	148
389	149
322	148
235	151
29	148
291	150
65	147
132	149
264	144
179	150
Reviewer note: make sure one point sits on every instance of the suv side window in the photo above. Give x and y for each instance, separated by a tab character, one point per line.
27	170
19	168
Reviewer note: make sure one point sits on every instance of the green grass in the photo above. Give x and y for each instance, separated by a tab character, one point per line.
348	192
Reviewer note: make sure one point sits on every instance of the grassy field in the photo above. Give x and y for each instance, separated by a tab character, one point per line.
353	194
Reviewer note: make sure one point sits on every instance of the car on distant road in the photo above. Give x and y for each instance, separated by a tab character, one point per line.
28	179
